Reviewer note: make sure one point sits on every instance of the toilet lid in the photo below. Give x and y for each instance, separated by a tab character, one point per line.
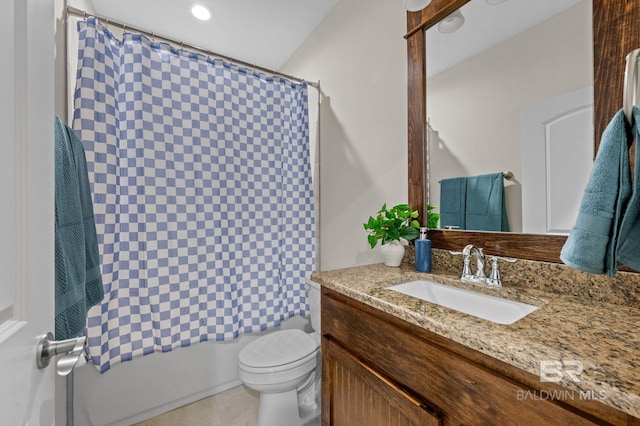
279	348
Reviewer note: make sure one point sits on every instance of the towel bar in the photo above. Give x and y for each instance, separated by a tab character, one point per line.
507	175
631	86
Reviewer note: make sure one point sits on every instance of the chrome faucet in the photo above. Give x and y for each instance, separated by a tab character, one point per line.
479	277
468	252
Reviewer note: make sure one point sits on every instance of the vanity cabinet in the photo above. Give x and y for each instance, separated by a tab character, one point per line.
362	396
380	370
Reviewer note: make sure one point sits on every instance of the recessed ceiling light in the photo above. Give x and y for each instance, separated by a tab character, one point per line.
495	1
201	12
416	5
451	23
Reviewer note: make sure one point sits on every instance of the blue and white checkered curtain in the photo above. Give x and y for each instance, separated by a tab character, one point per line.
202	191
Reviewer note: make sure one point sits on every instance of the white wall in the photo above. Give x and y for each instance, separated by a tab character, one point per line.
359	55
60	105
463	103
61	88
148	386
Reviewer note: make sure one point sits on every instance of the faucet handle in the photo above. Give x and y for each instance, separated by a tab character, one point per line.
466	265
494	277
504	259
466	268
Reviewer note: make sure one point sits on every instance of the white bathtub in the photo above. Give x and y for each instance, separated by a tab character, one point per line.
154	384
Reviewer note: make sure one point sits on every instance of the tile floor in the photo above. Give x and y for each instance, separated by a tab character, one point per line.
235	407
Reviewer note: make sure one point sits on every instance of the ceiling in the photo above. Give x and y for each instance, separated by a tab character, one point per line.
486	25
261	32
268	32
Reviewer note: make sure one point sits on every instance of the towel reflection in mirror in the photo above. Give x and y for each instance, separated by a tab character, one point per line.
474	203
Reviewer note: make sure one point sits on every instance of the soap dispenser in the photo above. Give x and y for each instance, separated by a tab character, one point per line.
423	252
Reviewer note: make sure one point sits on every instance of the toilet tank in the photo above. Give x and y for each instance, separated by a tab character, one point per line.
313	292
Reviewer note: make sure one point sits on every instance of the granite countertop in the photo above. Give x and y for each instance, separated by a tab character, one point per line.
603	336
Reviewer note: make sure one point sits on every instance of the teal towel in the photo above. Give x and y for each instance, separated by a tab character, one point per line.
629	237
592	243
486	207
78	283
453	193
474	203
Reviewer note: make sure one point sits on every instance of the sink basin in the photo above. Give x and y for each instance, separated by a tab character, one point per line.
491	308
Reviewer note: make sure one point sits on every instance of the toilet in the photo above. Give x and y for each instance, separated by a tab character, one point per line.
284	366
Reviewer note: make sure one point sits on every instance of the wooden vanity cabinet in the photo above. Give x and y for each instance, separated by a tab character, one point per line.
362	396
380	370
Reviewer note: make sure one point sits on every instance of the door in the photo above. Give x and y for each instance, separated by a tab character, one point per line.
557	156
26	212
355	394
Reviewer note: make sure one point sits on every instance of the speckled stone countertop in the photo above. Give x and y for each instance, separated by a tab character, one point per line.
602	335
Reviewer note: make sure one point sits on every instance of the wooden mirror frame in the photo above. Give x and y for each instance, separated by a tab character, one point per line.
616	32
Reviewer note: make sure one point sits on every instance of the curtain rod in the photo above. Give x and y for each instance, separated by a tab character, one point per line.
108	21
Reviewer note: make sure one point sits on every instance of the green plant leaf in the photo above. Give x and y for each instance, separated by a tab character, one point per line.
393	233
371	224
432	218
392	224
409	233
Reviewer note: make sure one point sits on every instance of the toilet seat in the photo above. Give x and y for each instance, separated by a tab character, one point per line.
279	351
285	368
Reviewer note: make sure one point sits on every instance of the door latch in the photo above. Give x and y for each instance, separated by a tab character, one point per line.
70	349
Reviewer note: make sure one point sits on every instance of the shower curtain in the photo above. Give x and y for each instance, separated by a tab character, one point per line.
202	190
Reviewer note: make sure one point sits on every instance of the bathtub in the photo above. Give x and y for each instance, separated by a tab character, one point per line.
157	383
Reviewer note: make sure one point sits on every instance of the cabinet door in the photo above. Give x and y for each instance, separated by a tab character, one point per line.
354	394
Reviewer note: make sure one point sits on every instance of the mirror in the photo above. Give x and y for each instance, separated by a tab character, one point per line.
616	32
512	91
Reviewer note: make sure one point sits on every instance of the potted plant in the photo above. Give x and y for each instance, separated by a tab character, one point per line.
432	218
394	228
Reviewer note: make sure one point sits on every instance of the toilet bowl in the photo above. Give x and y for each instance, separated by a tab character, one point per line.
284	366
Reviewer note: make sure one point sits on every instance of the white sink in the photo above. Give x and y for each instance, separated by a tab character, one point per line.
491	308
